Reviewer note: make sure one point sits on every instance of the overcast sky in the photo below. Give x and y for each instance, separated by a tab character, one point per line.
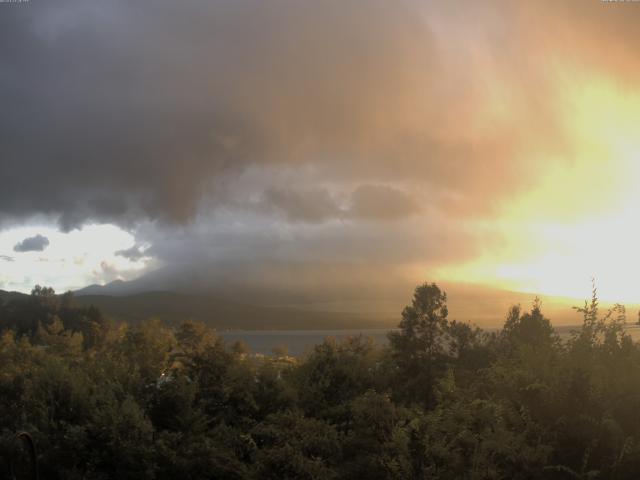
322	143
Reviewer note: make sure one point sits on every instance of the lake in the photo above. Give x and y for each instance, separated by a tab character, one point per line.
300	341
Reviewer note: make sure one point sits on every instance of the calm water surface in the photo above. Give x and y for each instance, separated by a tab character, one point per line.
299	342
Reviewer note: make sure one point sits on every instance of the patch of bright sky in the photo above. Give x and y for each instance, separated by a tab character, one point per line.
581	220
72	260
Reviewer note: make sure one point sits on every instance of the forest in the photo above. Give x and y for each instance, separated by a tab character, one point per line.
441	400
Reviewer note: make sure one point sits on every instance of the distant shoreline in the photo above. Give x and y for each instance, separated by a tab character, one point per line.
297	342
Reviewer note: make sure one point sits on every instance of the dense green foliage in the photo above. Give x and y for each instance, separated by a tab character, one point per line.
441	400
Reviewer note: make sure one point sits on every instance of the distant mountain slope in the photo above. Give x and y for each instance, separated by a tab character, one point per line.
115	288
173	307
8	296
274	286
483	306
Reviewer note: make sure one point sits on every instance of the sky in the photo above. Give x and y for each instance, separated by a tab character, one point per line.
337	147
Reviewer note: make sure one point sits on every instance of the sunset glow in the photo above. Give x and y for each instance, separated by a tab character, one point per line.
581	219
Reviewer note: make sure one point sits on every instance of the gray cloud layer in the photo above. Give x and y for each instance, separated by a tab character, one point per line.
37	243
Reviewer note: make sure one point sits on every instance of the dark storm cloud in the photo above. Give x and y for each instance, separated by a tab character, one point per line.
117	111
124	110
36	243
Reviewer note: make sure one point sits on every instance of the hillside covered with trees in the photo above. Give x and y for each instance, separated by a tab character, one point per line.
442	400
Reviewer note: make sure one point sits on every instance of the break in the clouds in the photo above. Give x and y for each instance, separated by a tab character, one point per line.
37	243
336	134
72	260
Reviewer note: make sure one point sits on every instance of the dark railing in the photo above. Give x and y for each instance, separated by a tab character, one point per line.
23	468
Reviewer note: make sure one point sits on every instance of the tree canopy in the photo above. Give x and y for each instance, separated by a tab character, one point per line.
442	399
